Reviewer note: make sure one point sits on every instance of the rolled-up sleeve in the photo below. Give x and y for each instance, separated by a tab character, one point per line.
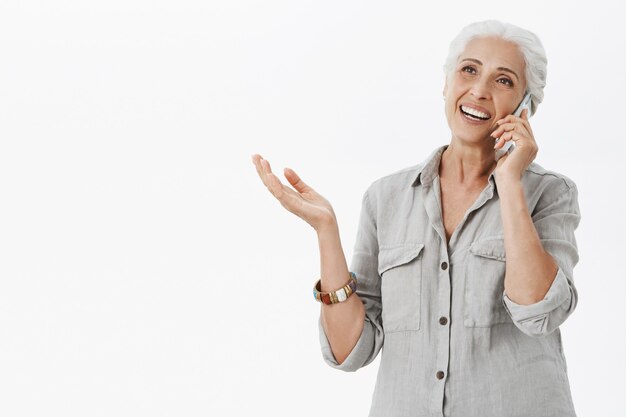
365	266
555	217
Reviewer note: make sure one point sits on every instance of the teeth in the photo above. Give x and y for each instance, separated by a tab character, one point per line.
475	112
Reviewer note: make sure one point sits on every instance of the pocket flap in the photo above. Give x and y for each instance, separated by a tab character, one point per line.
390	257
489	248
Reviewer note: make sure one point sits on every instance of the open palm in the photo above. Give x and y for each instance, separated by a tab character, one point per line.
301	200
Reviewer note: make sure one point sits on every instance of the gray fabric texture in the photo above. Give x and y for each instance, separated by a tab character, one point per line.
498	358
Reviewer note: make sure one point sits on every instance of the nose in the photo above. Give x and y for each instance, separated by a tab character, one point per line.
480	88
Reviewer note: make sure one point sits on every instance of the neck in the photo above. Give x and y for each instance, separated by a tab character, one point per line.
466	165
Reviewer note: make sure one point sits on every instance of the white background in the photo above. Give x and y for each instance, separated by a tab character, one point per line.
144	268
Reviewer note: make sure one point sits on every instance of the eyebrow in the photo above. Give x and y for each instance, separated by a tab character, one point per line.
505	69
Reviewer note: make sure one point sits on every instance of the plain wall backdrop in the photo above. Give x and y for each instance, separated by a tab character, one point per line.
144	268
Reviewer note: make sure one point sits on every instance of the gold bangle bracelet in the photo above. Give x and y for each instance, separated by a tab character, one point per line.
337	296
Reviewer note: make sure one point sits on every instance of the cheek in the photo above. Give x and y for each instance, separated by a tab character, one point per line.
504	110
448	107
449	110
457	91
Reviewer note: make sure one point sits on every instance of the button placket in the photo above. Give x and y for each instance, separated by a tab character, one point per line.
442	360
443	320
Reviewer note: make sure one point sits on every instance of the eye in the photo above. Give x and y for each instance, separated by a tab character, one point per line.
469	69
505	81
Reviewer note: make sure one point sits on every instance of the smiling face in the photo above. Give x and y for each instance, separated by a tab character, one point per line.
487	84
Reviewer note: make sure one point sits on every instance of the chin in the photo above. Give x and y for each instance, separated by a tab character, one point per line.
470	132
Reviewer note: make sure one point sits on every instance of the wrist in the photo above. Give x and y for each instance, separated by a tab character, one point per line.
328	228
507	181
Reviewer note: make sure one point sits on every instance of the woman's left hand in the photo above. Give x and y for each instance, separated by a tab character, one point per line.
512	165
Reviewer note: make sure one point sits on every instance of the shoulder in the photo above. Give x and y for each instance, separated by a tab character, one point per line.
391	184
392	194
548	191
540	178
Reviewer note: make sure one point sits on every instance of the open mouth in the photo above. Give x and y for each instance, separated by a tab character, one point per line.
474	114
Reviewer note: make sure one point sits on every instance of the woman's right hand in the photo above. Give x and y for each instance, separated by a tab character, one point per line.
304	201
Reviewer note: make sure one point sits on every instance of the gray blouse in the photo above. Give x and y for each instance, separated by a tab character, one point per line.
454	343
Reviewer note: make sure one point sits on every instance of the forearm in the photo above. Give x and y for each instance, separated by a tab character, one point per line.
343	322
530	270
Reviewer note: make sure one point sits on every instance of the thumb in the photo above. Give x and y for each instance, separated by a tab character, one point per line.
296	181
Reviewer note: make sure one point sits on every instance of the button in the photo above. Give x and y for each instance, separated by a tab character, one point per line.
444	265
440	374
443	321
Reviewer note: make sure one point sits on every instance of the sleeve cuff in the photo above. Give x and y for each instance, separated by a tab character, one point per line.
532	319
359	354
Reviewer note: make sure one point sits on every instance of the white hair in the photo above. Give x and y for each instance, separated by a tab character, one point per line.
528	43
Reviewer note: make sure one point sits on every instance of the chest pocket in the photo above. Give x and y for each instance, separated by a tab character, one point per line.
400	269
484	284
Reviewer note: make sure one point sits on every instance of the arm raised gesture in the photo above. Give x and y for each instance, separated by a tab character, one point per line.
342	322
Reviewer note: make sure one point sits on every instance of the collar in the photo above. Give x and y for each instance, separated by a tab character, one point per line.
429	169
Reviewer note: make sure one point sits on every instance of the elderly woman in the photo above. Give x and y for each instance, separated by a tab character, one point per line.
463	263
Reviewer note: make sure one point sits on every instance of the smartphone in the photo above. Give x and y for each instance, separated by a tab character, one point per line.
509	146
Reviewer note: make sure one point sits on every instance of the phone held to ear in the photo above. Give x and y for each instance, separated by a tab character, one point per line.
509	146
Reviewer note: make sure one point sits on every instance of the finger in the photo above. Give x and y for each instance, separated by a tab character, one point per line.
272	181
261	170
496	133
506	136
524	114
510	127
256	160
507	127
274	185
509	136
279	189
295	180
501	142
503	126
287	197
526	122
509	118
523	119
512	119
513	135
505	119
267	169
503	139
501	130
